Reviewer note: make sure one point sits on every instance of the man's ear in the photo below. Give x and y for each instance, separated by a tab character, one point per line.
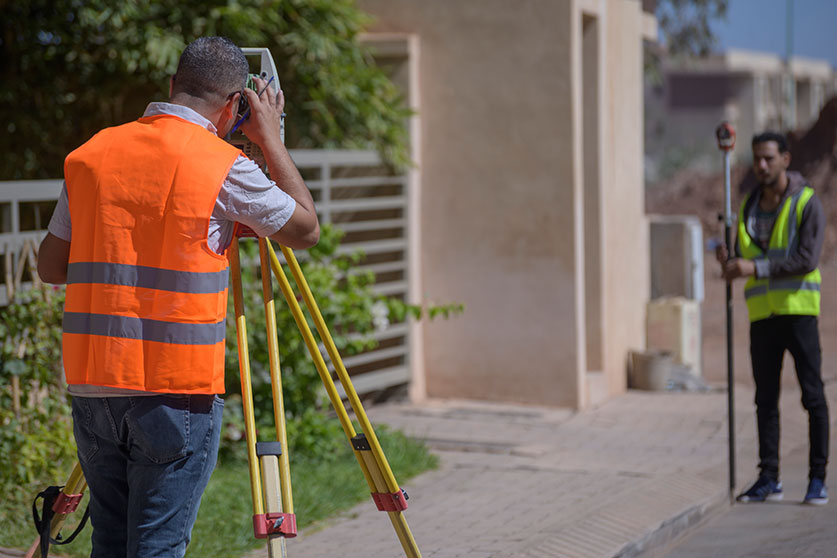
786	156
231	106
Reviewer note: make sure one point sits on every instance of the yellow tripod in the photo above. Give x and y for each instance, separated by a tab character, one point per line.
270	480
271	490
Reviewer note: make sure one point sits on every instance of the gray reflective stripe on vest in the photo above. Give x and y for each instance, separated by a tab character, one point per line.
781	285
147	277
755	291
142	328
792	285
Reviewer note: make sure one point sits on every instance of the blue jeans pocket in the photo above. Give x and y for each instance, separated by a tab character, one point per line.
83	429
159	427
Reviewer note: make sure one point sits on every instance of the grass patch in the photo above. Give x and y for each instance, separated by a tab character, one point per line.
321	488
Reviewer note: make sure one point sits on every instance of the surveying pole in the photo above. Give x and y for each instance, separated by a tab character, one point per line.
725	134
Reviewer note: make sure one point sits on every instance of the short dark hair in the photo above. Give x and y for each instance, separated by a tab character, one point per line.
211	68
764	137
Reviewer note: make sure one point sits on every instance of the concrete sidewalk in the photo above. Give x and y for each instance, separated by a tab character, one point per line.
629	478
626	479
772	529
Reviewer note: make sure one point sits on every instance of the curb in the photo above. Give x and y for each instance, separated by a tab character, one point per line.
672	531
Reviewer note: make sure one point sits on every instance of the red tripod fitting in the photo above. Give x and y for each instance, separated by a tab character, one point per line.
66	503
397	501
274	523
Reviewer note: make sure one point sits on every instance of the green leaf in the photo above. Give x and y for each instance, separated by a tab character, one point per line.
14	367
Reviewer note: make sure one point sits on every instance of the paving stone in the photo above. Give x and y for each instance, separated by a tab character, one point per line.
526	482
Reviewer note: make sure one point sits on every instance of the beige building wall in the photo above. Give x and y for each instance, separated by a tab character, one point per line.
626	226
504	179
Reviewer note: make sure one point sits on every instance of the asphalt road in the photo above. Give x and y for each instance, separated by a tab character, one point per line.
786	529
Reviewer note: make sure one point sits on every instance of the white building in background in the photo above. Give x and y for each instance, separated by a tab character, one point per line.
755	91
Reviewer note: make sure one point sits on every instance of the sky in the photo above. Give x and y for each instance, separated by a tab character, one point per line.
761	25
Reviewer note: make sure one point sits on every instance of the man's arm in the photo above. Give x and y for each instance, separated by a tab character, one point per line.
803	260
53	256
303	228
811	237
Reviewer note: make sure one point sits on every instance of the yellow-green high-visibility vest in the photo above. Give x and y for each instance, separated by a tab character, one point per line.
795	295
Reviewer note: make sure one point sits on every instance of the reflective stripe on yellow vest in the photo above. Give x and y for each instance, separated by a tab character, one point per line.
795	295
146	296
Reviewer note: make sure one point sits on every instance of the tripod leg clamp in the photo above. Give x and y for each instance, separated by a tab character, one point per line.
66	503
397	501
389	502
266	524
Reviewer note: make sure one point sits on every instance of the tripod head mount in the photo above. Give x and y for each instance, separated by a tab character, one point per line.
725	134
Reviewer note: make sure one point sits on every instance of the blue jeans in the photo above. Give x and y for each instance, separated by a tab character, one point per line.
147	461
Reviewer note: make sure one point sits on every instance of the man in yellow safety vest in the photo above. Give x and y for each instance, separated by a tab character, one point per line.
781	226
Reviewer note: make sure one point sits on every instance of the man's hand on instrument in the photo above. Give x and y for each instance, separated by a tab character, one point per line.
264	125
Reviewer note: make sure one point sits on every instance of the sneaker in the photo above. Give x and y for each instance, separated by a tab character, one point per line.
764	489
817	493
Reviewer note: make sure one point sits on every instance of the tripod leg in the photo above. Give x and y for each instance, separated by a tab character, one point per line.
274	525
314	350
273	491
392	503
66	503
284	484
277	525
246	385
334	355
385	491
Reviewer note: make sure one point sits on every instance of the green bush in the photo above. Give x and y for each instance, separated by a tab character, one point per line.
36	441
36	437
352	312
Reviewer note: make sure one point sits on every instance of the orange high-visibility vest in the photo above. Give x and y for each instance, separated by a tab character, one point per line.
146	297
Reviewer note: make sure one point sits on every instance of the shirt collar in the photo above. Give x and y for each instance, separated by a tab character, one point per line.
181	111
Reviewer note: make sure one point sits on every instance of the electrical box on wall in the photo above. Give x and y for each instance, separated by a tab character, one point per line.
676	256
673	326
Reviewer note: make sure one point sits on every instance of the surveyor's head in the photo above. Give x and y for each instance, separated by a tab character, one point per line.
210	76
771	157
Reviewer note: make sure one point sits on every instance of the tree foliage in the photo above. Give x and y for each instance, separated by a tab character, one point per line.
686	25
71	67
685	31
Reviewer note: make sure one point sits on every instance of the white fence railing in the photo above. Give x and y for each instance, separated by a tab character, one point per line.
353	190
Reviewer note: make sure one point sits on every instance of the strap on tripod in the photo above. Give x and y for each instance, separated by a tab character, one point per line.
55	501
